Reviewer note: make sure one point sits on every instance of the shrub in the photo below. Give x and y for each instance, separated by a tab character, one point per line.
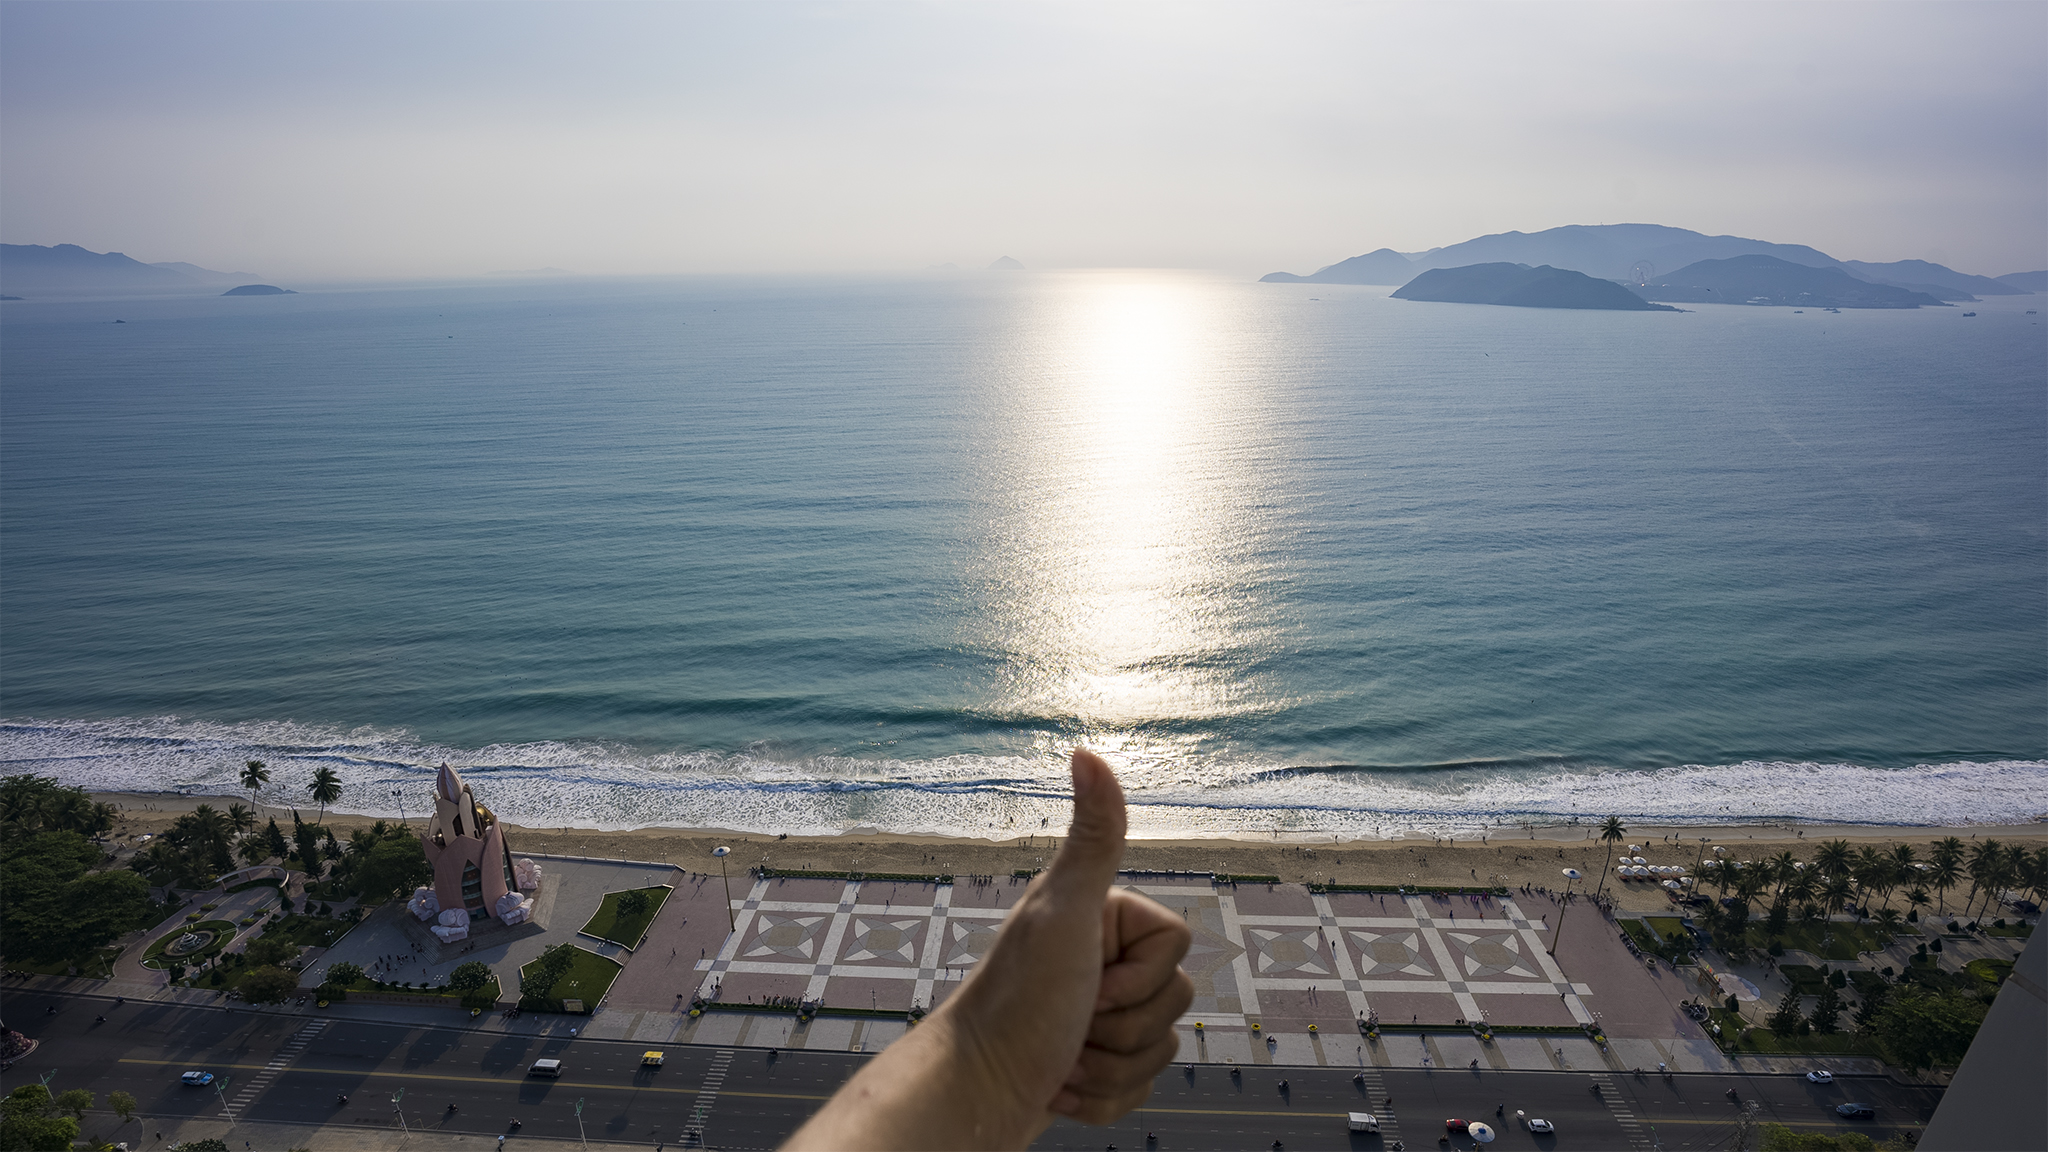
269	985
469	976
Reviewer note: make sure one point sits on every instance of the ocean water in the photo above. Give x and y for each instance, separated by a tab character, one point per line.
810	555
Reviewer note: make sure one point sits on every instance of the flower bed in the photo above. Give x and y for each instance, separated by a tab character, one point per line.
159	954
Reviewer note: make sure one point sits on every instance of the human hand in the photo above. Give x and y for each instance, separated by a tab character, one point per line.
1071	1011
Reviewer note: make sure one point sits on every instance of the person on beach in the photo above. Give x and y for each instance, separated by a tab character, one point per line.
1070	1013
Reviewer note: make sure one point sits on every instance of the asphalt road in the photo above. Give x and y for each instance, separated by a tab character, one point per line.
142	1048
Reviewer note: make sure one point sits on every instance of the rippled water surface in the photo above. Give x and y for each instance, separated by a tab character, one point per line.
799	555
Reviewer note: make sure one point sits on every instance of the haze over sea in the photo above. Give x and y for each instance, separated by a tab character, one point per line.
802	555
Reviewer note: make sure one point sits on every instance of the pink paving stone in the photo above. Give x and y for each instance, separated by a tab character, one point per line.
1366	904
1004	892
852	992
900	934
1528	1011
1272	900
761	985
692	922
803	890
1403	1008
1631	1001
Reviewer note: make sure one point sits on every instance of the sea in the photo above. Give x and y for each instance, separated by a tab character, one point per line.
832	555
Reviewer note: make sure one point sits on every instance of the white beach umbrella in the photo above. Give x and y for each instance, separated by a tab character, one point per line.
1480	1133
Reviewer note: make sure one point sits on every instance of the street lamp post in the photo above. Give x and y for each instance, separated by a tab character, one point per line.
1570	874
397	1106
731	921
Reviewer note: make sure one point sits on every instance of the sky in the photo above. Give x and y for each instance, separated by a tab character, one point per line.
395	140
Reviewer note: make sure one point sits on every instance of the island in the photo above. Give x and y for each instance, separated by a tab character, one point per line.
1520	286
1767	280
1005	264
259	290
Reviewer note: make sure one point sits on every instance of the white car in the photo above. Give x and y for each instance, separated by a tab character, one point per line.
1821	1076
1543	1126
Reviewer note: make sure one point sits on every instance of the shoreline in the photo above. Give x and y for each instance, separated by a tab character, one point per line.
1520	857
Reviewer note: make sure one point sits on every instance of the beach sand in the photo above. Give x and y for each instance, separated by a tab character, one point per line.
1516	857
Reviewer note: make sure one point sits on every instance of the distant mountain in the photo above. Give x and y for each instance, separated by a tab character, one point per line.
206	275
1005	264
1634	254
1921	276
1381	266
2026	281
34	268
1758	279
259	290
1520	286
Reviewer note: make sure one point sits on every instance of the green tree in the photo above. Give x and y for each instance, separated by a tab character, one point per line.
240	819
1834	858
539	977
52	907
306	838
269	985
395	864
1785	1018
76	1101
266	952
1827	1010
1921	1029
123	1105
1986	860
1945	869
26	1123
632	902
1611	832
254	777
274	837
347	973
1874	999
470	975
325	789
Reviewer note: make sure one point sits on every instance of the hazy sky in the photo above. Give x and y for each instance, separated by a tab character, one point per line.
403	139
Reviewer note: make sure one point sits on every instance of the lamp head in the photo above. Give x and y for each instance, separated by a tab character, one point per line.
1574	874
721	850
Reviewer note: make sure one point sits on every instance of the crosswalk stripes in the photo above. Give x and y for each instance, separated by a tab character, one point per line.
707	1095
1376	1097
1610	1093
278	1063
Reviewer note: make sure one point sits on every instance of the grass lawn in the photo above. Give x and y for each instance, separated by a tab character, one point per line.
1641	934
588	979
1765	1041
2020	931
1669	927
222	933
1804	977
609	924
1805	936
1991	973
314	931
245	885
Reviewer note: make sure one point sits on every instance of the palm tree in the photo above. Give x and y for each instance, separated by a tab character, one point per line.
1983	868
1834	858
1612	832
1888	922
1783	867
240	819
2036	877
1918	899
1945	868
254	777
1835	892
325	788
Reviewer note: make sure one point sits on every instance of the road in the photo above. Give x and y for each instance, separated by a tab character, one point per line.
277	1071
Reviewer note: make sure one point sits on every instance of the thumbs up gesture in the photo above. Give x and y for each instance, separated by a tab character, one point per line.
1070	1013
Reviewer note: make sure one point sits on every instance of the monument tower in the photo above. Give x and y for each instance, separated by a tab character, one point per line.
474	875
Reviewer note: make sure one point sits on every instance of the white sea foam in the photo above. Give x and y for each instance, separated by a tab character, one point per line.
590	785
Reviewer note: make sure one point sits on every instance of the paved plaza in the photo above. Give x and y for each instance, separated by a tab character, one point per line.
1276	956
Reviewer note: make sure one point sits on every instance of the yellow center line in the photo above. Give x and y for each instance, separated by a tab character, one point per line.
1819	1124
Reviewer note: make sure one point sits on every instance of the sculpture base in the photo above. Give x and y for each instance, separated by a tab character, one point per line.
483	934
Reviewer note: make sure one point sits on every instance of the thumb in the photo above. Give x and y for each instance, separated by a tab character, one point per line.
1087	862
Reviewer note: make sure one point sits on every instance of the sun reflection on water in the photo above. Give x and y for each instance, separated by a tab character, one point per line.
1121	574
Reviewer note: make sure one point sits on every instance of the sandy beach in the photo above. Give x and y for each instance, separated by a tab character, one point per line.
1519	857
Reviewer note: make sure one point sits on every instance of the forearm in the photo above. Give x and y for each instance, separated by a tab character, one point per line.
931	1089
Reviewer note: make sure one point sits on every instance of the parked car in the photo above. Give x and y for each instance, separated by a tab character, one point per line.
1856	1111
197	1079
1821	1076
1455	1125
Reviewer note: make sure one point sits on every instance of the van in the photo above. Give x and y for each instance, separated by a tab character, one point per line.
552	1069
1364	1122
